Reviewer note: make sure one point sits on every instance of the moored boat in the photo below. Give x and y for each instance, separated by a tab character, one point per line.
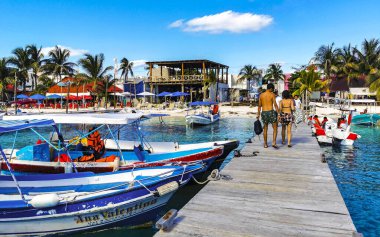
66	203
366	119
127	154
204	118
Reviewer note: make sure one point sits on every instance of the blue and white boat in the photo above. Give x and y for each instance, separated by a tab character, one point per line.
116	155
65	203
203	118
366	119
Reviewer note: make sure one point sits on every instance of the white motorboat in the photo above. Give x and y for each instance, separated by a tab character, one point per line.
204	118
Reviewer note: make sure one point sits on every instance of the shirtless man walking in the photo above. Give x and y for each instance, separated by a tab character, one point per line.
268	105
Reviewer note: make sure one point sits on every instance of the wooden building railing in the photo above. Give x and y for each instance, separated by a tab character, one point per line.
177	79
191	79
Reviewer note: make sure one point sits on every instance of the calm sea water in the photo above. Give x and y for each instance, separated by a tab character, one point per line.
356	169
357	172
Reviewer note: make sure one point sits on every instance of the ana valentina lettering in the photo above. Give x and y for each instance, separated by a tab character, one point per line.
113	214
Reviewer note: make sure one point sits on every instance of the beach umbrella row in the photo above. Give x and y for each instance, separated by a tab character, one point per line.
53	96
174	94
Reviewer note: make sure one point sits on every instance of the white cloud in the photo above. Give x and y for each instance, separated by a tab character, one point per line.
227	21
73	52
176	24
138	63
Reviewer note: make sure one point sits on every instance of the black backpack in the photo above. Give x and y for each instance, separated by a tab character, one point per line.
257	127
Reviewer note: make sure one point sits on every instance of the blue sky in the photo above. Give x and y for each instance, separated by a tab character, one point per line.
234	32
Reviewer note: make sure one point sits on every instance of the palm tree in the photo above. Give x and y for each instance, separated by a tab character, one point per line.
369	63
249	72
94	70
58	64
22	62
44	85
78	80
37	61
208	82
326	59
308	81
347	66
5	75
126	67
274	72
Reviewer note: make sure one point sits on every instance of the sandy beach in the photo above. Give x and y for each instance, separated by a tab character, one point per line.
225	110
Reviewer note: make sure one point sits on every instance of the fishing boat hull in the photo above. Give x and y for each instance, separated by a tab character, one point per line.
202	119
126	209
161	147
206	155
366	119
84	211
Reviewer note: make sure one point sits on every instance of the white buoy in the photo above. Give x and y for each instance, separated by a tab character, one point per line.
45	200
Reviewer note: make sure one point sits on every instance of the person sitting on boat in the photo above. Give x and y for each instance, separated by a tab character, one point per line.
341	123
316	120
215	110
95	142
365	111
324	121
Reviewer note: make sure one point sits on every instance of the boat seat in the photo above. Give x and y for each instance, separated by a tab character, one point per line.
139	153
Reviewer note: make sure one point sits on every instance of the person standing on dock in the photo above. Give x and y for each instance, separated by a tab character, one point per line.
286	116
269	110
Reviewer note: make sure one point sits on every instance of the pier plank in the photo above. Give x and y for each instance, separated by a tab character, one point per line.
285	192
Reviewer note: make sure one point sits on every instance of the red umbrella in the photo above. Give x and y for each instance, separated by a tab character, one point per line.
73	97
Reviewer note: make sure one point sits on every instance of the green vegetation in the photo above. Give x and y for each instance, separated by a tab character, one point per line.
351	63
249	72
274	73
29	63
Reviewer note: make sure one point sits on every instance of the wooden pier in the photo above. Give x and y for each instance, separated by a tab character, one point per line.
284	192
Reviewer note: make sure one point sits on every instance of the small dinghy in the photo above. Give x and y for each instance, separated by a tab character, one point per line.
203	118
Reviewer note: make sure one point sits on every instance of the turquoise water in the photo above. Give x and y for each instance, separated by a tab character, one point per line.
356	169
357	172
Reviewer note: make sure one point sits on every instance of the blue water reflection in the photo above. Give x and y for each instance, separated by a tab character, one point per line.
356	171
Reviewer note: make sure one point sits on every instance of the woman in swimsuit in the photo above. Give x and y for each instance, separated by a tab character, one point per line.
286	116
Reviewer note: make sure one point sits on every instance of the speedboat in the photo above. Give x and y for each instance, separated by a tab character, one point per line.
342	135
204	118
325	135
366	119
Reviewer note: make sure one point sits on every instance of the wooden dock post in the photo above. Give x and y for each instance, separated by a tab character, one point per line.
284	192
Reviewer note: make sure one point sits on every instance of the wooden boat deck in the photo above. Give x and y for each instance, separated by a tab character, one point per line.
284	192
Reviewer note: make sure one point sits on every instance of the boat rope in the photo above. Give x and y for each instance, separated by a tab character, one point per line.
183	172
11	171
13	145
214	176
116	141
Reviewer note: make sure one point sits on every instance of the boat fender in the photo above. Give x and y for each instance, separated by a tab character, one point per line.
45	200
166	222
167	188
116	164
